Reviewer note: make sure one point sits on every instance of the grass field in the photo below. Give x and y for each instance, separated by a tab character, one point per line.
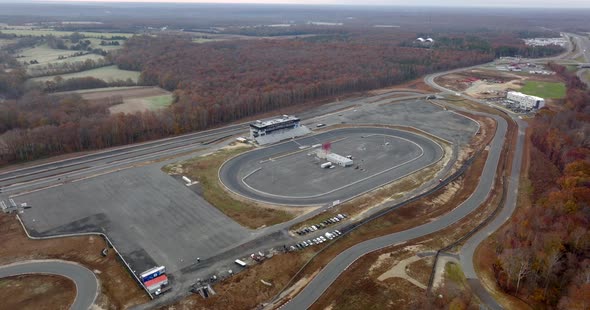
46	32
46	55
109	73
102	90
572	68
159	102
140	104
108	48
551	90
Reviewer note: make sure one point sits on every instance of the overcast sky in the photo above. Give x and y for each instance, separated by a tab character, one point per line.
469	3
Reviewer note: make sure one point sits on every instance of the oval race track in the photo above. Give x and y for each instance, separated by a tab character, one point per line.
84	279
234	172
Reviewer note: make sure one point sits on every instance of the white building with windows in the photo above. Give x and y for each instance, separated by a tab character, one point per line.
526	102
277	129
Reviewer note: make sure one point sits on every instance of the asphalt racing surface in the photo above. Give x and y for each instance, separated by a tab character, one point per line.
233	172
85	280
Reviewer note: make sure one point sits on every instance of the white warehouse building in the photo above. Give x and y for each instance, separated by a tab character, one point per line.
526	102
339	160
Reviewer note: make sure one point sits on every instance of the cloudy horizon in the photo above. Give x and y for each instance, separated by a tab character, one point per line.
451	3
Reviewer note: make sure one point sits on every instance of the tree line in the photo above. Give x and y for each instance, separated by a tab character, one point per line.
544	251
213	84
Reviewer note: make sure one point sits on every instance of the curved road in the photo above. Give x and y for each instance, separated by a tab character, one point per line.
84	279
339	264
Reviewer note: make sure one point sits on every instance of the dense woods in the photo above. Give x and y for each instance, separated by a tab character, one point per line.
544	252
213	84
225	81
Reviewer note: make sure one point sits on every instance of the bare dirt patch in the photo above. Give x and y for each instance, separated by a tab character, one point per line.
118	290
420	269
37	292
400	271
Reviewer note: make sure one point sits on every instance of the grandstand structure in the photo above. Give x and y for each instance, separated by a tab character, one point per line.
277	129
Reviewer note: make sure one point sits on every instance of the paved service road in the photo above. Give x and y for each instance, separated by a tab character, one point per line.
339	264
86	282
468	250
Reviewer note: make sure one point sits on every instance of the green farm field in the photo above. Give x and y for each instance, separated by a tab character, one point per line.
46	55
159	102
553	90
109	73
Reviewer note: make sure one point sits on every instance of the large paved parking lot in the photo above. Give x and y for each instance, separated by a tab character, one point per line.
152	218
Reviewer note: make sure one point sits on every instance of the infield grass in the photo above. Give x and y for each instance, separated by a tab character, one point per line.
205	170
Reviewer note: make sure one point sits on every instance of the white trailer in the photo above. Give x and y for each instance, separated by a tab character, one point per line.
241	263
326	165
339	160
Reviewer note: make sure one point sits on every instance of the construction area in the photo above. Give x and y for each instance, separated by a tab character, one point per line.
499	84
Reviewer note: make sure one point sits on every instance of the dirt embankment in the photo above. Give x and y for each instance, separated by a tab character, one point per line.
117	288
37	292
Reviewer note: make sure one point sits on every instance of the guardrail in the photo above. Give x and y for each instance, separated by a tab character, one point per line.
473	230
467	235
108	242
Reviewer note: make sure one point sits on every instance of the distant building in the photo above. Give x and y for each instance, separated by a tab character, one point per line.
277	129
526	102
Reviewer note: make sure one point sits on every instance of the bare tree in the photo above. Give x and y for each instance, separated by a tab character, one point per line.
523	271
552	260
